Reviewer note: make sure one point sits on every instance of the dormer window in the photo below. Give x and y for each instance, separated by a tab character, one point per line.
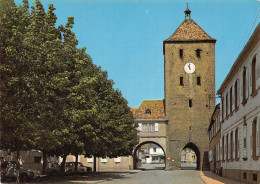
148	112
198	52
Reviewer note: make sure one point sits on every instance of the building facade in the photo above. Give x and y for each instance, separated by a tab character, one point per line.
189	82
152	125
240	115
214	132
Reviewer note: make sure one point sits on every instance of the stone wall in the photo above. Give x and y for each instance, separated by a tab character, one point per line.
188	124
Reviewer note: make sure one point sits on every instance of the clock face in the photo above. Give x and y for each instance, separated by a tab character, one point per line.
189	68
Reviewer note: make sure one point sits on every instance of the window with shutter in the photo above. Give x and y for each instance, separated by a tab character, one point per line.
144	127
151	127
258	137
244	86
226	105
231	145
251	146
254	137
238	144
156	127
227	151
223	148
231	99
253	74
236	97
140	127
245	138
258	144
220	153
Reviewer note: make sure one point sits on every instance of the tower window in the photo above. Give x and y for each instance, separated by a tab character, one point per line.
198	53
181	81
190	102
181	53
198	81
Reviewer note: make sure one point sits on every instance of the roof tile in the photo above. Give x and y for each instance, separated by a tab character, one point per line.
189	30
156	108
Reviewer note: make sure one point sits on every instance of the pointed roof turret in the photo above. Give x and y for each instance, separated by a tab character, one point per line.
189	31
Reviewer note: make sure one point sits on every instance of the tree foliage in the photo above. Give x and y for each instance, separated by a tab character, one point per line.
53	98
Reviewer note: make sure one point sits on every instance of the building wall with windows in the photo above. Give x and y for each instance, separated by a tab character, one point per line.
240	115
104	164
150	117
214	132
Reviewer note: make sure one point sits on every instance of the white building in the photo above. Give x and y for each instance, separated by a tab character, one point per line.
240	115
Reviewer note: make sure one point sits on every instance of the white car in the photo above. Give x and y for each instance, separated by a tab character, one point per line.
8	171
70	168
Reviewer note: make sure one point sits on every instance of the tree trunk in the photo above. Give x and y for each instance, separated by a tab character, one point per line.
76	164
18	166
44	164
62	168
95	164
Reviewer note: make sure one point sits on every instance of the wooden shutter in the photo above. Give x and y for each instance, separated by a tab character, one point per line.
156	127
238	143
258	143
251	145
140	127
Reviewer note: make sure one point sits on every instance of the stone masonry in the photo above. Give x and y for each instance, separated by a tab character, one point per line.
189	106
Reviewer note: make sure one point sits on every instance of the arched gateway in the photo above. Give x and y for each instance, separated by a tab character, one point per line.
180	120
149	152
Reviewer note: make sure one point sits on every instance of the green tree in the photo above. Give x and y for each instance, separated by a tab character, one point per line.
53	97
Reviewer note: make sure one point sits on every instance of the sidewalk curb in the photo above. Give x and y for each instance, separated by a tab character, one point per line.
201	177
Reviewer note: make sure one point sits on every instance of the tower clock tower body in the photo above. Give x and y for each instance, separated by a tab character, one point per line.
189	71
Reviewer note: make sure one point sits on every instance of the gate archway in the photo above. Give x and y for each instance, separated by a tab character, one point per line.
191	149
149	155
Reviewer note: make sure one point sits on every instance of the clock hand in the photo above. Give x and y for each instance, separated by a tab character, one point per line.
189	66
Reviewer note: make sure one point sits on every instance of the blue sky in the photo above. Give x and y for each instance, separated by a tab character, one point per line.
125	37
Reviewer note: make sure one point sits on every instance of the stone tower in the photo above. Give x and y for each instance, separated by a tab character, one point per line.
189	71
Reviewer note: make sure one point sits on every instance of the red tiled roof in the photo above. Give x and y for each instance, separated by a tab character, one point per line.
189	30
156	108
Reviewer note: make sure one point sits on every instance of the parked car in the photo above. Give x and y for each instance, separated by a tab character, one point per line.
8	171
70	168
53	169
